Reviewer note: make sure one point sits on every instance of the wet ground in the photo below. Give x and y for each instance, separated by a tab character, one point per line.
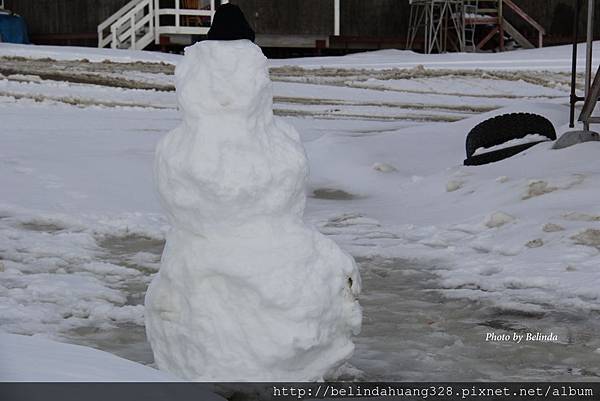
411	331
84	72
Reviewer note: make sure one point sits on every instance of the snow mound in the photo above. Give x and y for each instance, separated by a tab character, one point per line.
384	167
246	291
498	219
26	358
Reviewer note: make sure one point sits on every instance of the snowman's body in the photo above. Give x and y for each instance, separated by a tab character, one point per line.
245	291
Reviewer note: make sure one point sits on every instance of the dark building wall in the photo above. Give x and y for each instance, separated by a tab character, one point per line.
556	16
360	18
74	19
384	17
389	18
300	17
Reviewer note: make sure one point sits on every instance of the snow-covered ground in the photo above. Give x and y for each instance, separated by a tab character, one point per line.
447	253
29	358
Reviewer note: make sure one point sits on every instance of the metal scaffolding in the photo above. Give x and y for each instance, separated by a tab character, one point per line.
442	23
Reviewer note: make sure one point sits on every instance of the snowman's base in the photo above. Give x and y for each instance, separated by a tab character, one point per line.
265	305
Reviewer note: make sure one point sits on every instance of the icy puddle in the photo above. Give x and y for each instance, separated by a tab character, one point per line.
411	331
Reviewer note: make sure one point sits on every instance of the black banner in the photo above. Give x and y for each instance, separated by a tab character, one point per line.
96	391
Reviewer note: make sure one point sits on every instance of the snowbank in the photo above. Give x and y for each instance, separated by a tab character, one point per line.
548	58
25	358
88	53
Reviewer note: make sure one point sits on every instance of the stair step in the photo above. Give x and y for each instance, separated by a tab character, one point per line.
516	35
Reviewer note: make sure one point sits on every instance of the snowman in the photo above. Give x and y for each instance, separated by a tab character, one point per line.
246	290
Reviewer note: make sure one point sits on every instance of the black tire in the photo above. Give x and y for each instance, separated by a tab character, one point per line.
503	128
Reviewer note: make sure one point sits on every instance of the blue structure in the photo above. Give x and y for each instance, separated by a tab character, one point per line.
12	29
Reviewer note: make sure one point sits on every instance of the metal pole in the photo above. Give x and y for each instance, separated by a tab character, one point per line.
463	28
588	56
430	23
501	24
573	98
590	38
336	17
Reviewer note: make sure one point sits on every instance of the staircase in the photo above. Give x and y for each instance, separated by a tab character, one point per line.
490	14
138	23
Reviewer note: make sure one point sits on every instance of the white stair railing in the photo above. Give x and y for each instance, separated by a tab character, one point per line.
139	22
104	39
177	28
134	29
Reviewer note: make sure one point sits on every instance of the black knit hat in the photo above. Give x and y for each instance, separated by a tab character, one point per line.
229	23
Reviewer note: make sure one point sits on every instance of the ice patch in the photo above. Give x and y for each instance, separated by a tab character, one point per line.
542	187
454	185
384	167
535	243
24	78
589	237
578	216
333	194
552	228
498	219
538	188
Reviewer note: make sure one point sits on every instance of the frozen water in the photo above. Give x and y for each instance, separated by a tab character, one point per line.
412	332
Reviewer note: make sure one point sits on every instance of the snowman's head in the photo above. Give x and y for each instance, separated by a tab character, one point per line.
223	78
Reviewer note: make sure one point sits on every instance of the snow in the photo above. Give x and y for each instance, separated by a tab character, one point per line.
245	291
513	142
85	53
447	252
548	58
27	358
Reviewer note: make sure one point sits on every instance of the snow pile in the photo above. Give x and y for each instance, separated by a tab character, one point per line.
25	358
85	53
513	142
246	291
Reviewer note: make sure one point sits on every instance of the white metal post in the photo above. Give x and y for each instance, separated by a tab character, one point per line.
132	32
336	17
113	34
177	15
156	23
212	10
151	22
